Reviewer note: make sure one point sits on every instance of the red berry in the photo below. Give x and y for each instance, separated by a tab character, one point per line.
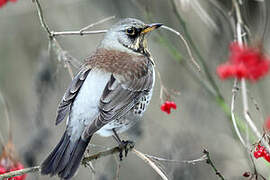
173	105
259	151
244	62
267	156
166	107
2	170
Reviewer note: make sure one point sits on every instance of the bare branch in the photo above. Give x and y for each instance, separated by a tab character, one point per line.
105	153
96	23
194	161
234	92
248	117
130	147
64	33
150	163
186	44
209	161
62	54
85	162
20	172
41	17
80	32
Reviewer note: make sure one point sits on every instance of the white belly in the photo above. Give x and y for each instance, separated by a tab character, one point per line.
85	106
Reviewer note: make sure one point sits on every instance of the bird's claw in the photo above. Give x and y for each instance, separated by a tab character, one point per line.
125	146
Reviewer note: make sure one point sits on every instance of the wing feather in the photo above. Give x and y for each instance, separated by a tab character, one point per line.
119	97
70	94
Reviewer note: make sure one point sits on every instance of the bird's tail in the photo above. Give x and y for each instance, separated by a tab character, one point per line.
65	159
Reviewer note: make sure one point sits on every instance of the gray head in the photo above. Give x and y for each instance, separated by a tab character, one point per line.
128	35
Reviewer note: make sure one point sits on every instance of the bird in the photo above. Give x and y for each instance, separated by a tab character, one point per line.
107	96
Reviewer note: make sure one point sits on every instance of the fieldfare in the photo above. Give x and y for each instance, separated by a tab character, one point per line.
108	95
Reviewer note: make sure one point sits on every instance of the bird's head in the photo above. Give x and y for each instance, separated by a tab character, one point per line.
128	35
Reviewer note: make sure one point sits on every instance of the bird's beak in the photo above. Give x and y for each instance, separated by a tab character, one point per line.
150	27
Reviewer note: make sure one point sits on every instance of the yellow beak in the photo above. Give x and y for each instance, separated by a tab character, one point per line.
151	27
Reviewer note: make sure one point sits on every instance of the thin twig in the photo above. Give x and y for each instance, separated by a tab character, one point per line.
80	32
186	44
64	33
194	161
234	92
41	17
247	115
20	172
96	23
202	61
150	163
163	90
209	161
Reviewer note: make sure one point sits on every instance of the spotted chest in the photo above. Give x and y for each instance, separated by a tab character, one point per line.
141	106
132	117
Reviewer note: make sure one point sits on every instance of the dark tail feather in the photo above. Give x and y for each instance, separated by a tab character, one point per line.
65	159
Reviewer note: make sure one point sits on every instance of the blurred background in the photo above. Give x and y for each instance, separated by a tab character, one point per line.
33	81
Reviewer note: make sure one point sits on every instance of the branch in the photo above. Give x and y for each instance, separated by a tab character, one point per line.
62	54
105	153
241	40
96	23
130	147
85	161
41	17
194	47
247	115
150	163
20	172
209	161
186	44
194	161
81	33
234	92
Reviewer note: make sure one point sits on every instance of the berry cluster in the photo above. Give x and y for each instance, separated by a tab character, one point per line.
260	151
244	62
15	167
3	2
167	106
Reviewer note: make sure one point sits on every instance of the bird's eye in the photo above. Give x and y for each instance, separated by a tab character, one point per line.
131	31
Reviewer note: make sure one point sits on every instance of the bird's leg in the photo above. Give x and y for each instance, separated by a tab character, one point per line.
123	145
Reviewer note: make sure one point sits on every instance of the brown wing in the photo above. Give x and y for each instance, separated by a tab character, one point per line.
70	94
119	97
